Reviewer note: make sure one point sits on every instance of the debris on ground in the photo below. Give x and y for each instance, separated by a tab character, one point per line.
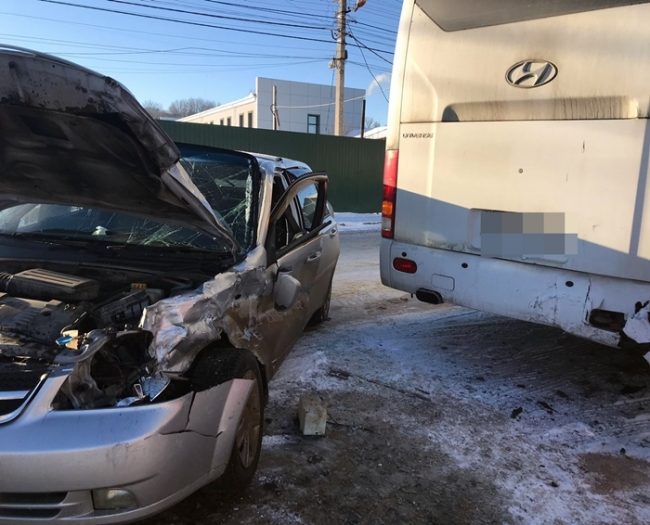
312	414
516	412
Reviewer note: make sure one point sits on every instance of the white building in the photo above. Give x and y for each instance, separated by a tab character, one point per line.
380	132
301	107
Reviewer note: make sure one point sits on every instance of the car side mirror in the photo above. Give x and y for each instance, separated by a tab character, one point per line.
285	291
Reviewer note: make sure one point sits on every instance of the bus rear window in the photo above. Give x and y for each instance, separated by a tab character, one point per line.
456	15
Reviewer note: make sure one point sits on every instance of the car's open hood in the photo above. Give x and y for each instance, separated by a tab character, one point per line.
69	135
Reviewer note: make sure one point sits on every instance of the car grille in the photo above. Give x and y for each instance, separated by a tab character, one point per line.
45	505
17	382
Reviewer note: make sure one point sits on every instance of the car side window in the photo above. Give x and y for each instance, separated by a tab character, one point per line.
285	227
329	211
307	199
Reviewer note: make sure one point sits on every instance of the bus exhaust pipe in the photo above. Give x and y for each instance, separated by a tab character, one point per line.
429	296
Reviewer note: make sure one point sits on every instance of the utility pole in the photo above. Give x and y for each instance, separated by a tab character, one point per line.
339	64
274	108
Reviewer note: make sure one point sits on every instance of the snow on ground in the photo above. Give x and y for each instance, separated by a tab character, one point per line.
552	424
356	222
439	414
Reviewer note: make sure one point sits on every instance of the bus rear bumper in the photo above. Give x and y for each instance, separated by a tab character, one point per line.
573	301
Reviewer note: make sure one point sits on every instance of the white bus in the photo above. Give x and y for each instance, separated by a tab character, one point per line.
516	172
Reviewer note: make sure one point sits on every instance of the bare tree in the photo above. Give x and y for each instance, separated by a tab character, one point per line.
154	109
188	106
371	123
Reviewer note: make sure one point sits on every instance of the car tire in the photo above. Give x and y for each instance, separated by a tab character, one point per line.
218	365
323	313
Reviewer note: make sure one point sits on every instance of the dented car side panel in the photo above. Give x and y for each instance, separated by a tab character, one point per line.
241	304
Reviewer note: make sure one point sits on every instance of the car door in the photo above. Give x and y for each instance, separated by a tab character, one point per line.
328	245
296	252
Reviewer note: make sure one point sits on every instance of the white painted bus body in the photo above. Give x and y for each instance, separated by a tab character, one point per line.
471	145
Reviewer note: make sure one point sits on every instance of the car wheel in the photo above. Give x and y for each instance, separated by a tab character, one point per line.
213	367
323	313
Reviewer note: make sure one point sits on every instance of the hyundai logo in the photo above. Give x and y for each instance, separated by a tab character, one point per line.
531	73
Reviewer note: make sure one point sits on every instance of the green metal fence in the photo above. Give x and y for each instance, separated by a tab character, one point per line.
354	165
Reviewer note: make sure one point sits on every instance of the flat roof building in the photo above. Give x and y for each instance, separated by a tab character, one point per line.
300	106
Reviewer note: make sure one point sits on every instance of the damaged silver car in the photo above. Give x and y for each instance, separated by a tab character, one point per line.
148	291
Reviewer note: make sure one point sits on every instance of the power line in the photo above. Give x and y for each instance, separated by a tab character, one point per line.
193	64
267	9
210	15
365	24
370	71
175	65
322	105
123	50
204	72
361	45
369	37
197	24
135	31
307	24
363	65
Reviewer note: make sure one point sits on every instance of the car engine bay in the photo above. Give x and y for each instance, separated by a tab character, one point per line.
89	323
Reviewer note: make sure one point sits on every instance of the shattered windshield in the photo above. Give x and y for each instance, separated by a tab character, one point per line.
229	182
227	179
92	224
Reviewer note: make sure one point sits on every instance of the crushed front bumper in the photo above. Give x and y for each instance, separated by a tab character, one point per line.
51	461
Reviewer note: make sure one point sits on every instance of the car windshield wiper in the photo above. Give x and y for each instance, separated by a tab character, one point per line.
52	240
175	249
65	238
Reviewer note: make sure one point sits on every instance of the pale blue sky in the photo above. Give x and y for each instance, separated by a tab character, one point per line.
163	60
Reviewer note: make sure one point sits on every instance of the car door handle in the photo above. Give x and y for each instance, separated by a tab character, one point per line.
314	256
333	232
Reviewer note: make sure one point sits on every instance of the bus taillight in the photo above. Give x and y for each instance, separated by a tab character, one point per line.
389	194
